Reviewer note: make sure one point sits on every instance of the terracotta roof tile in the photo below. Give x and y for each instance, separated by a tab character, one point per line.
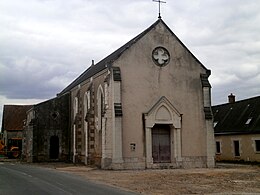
13	117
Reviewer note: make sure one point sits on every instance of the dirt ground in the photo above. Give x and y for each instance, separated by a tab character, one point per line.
224	179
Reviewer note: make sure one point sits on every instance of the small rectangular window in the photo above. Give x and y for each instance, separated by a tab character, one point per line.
236	148
257	145
218	151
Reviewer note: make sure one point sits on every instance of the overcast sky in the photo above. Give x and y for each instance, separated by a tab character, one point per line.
45	44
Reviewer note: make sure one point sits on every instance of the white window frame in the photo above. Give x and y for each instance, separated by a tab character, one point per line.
233	147
254	144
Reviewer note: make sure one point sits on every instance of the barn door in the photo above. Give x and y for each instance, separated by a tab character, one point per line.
161	150
54	147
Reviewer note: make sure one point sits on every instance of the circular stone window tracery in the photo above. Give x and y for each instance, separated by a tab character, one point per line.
161	56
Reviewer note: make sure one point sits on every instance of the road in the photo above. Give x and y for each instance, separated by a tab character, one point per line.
21	179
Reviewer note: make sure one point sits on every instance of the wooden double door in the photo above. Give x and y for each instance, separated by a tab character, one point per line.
161	144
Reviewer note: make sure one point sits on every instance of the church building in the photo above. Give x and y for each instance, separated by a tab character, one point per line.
146	105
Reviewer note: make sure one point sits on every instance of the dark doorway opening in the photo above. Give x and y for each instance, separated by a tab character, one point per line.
54	147
236	148
161	148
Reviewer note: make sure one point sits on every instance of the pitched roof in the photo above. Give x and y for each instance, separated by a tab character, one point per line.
107	61
14	116
241	117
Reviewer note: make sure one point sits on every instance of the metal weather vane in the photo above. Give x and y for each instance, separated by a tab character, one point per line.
159	2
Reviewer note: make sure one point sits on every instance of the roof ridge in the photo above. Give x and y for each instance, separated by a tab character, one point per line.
239	117
238	101
102	64
106	62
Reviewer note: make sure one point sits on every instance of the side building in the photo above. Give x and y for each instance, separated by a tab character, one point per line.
13	122
47	131
237	129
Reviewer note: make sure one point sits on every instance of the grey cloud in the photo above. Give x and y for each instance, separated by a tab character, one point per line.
47	44
26	78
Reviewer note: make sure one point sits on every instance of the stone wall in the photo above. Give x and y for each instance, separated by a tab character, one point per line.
51	120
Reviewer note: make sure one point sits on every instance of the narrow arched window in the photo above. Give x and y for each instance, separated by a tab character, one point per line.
85	103
100	106
76	106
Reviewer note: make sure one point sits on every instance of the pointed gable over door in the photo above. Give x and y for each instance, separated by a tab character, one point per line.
163	112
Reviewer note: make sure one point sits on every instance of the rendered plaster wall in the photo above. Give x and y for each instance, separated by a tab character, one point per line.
144	83
247	147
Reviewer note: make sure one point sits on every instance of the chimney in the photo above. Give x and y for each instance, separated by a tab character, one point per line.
92	63
231	98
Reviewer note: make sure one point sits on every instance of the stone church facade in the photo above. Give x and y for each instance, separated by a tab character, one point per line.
146	105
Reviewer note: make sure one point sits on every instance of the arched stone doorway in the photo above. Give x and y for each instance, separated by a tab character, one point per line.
54	147
163	135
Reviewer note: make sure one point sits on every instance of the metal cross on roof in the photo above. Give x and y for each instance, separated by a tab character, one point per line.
159	2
